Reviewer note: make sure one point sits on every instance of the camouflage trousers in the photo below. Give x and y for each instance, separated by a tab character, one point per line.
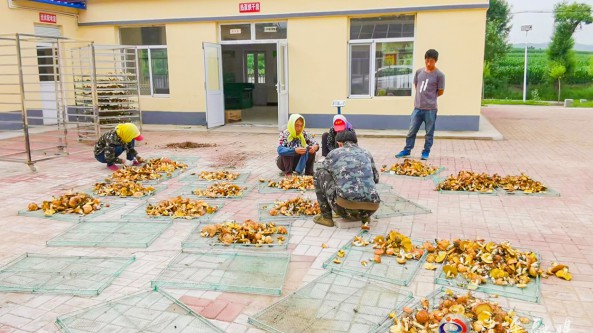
325	189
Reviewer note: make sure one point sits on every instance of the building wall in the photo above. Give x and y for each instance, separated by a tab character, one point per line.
318	34
186	74
317	64
22	21
109	11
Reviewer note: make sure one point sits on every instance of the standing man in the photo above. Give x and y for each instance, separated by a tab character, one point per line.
430	84
346	182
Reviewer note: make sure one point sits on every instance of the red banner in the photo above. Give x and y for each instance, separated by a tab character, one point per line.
249	7
48	18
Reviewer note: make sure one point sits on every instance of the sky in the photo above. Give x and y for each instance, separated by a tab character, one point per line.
543	23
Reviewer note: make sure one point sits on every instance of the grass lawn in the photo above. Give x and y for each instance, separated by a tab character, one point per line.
516	102
576	104
585	104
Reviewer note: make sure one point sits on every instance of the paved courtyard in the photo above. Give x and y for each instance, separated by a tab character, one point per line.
552	145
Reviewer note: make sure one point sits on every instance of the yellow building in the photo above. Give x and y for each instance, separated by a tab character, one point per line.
272	58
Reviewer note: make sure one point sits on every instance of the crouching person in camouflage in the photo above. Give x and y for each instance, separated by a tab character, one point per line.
345	183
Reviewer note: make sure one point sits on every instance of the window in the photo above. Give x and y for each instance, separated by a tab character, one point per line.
256	67
236	32
381	53
252	31
360	58
47	62
47	53
270	30
152	58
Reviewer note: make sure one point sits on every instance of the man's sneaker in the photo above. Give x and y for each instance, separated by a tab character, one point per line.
326	221
403	153
424	155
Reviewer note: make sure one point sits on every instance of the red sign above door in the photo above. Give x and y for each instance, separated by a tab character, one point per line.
48	18
249	7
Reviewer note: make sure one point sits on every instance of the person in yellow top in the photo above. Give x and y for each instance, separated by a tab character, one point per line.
296	148
114	142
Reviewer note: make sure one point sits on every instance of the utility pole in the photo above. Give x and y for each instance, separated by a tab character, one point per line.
525	28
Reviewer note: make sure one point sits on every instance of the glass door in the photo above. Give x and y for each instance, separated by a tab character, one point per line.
213	85
282	85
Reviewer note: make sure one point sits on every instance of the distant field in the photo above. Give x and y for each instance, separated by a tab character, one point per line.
511	67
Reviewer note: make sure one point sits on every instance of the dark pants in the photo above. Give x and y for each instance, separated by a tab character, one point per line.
428	117
289	163
118	151
324	147
325	190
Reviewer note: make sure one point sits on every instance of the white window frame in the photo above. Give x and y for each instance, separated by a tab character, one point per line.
373	43
252	40
155	47
256	65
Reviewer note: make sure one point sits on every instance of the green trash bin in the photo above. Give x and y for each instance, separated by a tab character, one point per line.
238	95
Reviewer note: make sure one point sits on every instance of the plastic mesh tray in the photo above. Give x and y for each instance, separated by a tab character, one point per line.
395	205
195	240
75	275
117	210
251	273
438	180
111	198
388	270
431	176
264	215
187	191
264	188
191	161
111	234
531	293
334	302
73	217
549	193
147	311
534	326
193	177
140	213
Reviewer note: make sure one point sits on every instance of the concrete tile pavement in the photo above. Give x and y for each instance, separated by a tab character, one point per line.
548	144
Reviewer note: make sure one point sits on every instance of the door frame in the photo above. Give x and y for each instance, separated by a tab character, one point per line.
262	41
48	89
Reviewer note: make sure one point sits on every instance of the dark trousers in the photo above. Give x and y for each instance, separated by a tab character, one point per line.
418	117
325	190
289	163
324	147
118	151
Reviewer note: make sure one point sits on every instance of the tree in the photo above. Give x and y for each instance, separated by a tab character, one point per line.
590	67
557	72
567	17
498	26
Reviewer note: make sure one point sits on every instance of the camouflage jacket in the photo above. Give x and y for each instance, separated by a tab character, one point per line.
353	169
107	143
